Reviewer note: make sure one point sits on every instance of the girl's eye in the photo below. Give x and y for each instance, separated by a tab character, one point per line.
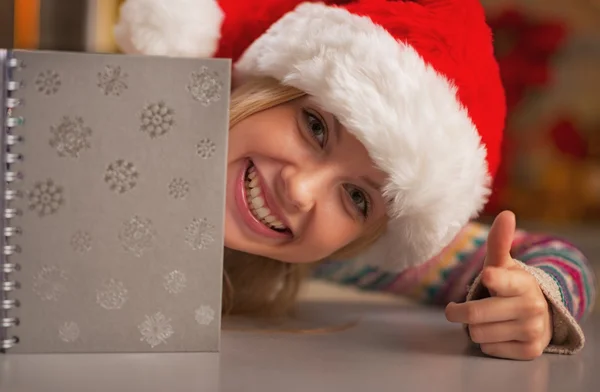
359	198
316	127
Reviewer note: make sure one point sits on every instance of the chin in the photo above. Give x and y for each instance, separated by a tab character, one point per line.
249	248
266	251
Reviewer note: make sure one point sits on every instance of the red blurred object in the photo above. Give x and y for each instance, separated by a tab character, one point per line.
568	140
524	48
545	39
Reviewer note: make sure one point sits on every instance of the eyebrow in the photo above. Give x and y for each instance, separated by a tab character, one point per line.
372	183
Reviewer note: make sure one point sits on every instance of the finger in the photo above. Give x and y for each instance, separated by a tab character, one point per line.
504	331
487	310
500	240
514	350
530	330
508	282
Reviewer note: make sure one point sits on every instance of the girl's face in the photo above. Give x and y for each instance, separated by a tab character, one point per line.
299	185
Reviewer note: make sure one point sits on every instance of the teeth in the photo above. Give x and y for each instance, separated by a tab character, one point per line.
255	191
257	202
270	219
262	212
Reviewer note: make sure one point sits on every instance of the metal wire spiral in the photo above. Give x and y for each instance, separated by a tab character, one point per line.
10	232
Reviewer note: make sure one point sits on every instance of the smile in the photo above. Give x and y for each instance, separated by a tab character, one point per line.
257	204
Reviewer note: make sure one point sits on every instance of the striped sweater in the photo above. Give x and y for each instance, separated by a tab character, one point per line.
561	269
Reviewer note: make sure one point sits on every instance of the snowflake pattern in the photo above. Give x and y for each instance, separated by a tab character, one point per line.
69	332
70	137
48	82
137	235
205	86
112	295
121	176
81	241
179	188
199	234
204	315
50	283
156	329
206	148
175	282
45	198
157	119
112	80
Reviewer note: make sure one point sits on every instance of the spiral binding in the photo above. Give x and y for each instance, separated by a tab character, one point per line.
9	247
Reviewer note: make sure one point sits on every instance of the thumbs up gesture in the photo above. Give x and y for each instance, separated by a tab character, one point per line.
515	322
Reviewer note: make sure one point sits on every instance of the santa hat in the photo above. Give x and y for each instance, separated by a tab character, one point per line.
415	81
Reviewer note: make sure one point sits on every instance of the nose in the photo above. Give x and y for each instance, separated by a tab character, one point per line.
304	185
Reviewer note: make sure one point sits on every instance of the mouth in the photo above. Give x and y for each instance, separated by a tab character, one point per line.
256	202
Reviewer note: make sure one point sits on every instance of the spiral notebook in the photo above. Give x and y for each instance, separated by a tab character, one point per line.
113	201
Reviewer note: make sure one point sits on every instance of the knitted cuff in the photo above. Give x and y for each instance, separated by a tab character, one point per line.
567	337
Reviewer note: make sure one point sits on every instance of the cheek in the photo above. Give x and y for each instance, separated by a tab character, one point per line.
329	231
271	138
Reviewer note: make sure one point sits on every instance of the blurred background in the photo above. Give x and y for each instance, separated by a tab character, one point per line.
549	54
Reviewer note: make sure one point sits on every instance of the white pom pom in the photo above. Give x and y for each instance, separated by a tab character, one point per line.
178	28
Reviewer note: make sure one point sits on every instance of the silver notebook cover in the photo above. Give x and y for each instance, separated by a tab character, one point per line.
117	222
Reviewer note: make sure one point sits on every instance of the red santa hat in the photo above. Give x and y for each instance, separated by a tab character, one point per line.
415	81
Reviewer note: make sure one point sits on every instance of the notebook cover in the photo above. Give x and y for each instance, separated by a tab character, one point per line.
122	202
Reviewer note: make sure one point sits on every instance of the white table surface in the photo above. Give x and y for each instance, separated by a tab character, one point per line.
393	347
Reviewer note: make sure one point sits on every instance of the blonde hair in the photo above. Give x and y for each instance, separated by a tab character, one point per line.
256	285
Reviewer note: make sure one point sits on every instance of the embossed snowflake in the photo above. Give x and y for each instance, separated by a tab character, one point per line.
50	283
179	188
121	176
70	137
157	119
204	315
46	198
137	235
112	80
199	234
112	295
156	329
175	282
205	86
48	82
69	332
206	148
81	241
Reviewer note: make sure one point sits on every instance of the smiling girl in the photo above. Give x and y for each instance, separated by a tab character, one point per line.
364	136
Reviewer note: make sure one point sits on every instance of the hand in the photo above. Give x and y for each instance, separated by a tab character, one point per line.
516	321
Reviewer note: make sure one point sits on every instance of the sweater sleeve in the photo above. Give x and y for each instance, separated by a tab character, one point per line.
562	270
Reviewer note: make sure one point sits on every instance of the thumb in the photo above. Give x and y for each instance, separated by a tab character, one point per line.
500	240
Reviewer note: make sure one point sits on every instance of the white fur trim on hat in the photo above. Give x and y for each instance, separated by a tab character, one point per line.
404	112
169	28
